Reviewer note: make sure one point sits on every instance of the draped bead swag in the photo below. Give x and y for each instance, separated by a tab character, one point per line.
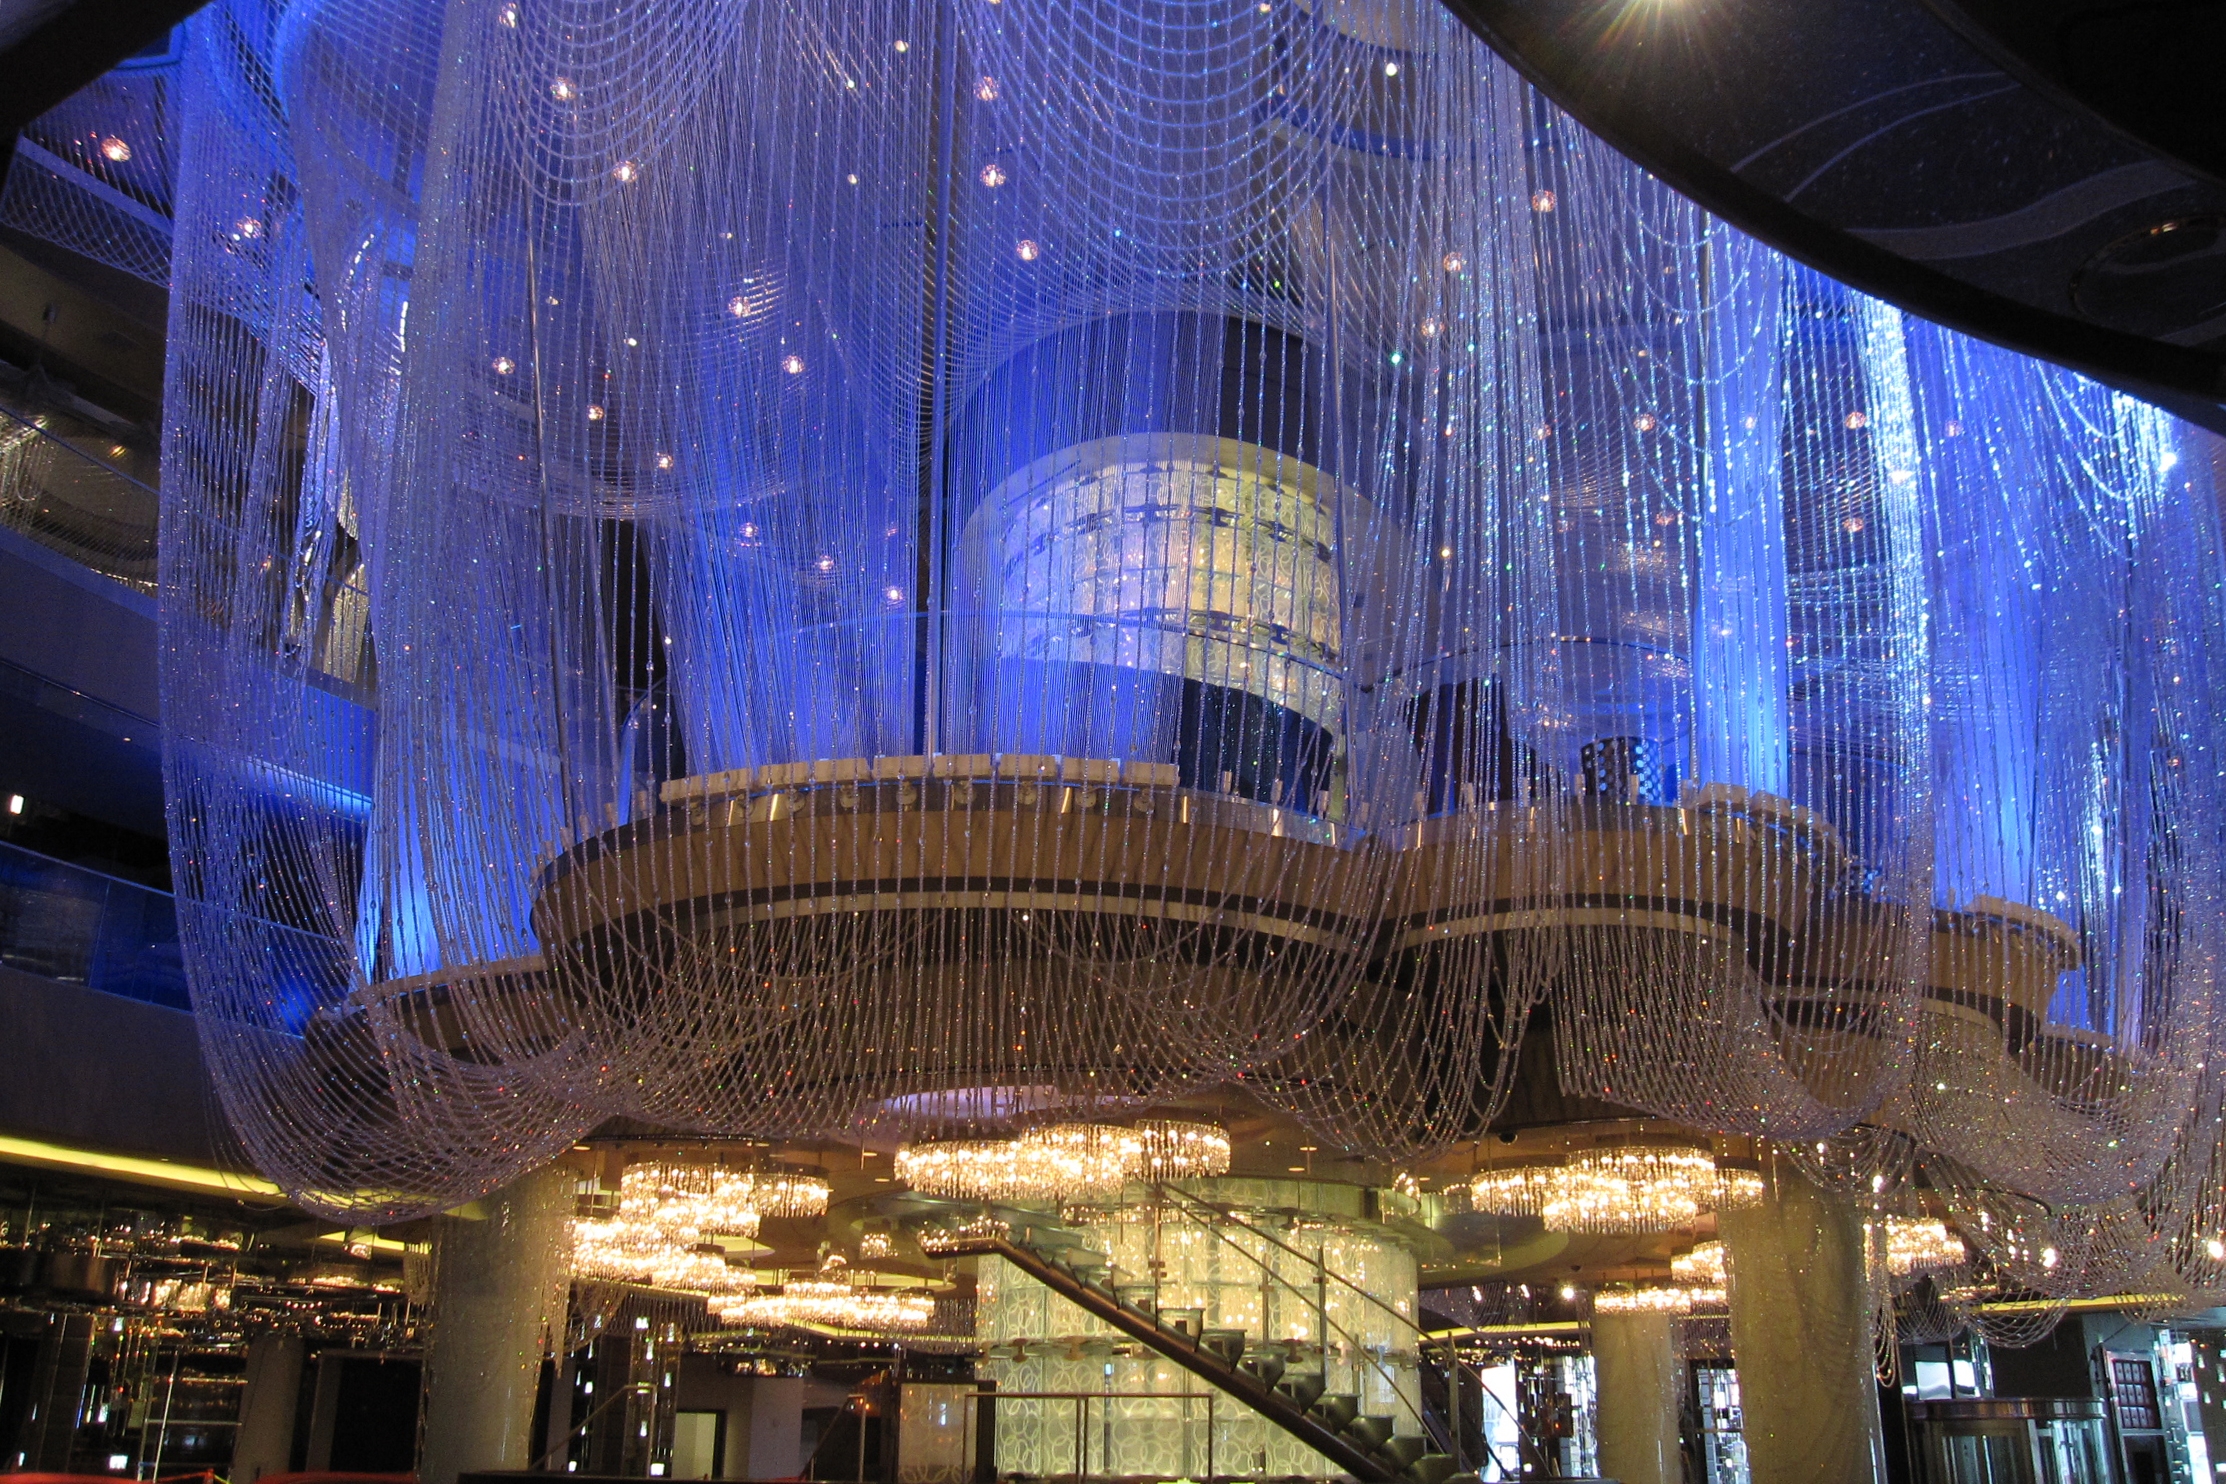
917	566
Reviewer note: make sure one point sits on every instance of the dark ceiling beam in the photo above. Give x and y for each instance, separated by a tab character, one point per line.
75	45
1664	102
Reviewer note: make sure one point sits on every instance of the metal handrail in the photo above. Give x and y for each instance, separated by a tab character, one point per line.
1184	1350
1422	1336
1352	1340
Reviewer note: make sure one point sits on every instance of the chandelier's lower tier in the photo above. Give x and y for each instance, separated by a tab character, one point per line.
948	939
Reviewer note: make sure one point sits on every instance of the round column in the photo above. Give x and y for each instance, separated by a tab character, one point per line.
499	1288
1801	1328
1636	1360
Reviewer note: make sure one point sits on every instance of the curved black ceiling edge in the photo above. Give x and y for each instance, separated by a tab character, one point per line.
74	46
2004	33
2181	381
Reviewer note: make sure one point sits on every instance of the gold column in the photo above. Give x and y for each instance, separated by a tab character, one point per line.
1636	1357
1801	1328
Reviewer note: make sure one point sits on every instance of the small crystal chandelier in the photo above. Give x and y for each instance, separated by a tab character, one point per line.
614	1251
1921	1245
1176	1150
1621	1189
967	1170
1656	1298
831	1300
1703	1267
628	1251
690	1202
1082	1158
670	1220
1063	1161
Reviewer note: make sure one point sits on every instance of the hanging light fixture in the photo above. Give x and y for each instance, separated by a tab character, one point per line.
1063	1161
1176	1150
1921	1245
1084	1158
685	1203
834	1298
1622	1189
967	1170
699	1270
672	1216
614	1250
624	1250
1511	1190
1656	1298
1703	1267
689	1202
1183	716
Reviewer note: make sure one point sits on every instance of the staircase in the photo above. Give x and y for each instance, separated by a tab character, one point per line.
1367	1447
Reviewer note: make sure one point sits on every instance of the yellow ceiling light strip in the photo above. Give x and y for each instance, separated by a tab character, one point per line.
196	1179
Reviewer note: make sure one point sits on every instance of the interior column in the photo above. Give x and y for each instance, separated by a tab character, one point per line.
1635	1356
1801	1329
499	1288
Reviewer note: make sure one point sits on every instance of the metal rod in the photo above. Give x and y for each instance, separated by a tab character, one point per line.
586	1422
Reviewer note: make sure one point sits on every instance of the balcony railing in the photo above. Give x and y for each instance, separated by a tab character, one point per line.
70	486
78	926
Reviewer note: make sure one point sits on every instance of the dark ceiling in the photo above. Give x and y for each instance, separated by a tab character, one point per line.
2046	174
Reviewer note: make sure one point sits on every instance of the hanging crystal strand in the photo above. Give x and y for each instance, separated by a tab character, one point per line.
1422	1053
2070	756
964	569
323	1027
1742	962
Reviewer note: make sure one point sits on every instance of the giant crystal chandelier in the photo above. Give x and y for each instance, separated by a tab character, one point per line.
937	564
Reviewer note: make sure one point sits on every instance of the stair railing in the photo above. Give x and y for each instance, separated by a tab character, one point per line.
1210	1215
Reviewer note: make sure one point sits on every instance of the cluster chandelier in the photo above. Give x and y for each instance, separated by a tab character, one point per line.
622	1251
1658	1298
1703	1267
695	1202
812	600
1920	1244
671	1217
1639	1188
833	1299
1064	1161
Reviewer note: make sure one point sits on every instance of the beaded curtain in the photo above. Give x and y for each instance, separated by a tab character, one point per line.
902	567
